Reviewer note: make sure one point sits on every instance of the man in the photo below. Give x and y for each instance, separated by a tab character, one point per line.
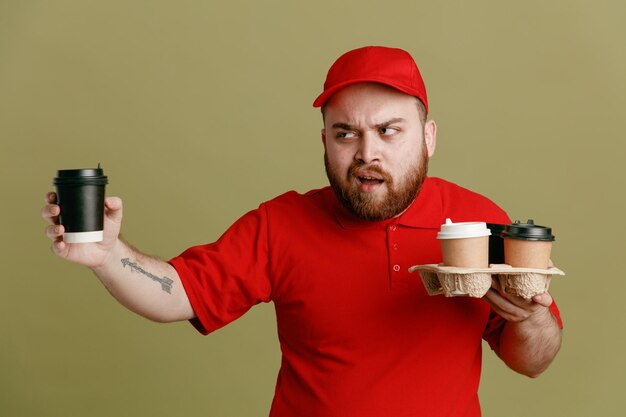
358	333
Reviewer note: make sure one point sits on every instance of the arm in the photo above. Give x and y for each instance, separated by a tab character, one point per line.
531	336
145	285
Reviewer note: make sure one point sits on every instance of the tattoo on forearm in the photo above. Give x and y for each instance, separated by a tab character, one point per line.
166	283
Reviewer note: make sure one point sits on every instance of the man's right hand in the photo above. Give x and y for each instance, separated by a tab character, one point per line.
136	280
92	255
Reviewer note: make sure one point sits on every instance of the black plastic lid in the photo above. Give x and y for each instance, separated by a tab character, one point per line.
495	228
528	231
73	173
82	176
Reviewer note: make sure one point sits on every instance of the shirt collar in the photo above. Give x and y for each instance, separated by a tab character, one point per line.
426	211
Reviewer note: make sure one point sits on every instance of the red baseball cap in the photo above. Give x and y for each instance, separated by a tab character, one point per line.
390	66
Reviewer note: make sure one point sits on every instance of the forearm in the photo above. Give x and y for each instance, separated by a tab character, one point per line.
529	346
145	285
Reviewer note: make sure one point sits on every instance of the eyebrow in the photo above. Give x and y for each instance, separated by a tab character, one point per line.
346	126
343	126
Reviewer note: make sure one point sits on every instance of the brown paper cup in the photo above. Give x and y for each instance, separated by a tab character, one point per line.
527	253
472	252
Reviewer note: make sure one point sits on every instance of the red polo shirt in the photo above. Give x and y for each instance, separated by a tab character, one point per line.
359	335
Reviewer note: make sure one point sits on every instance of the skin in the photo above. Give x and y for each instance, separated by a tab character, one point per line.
531	337
377	130
133	278
368	125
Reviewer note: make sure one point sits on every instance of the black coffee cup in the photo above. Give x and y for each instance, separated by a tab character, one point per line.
496	244
80	194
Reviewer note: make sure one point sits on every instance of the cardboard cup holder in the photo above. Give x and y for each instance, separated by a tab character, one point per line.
475	282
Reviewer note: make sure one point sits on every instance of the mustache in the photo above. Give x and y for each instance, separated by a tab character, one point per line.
356	167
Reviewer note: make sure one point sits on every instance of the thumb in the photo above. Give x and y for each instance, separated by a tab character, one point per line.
113	208
544	299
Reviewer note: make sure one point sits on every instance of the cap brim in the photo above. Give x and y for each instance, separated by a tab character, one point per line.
327	94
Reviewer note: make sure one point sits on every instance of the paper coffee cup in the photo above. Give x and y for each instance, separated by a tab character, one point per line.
80	194
464	244
527	245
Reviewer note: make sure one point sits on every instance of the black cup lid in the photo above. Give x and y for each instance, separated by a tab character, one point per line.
81	176
73	173
528	231
495	228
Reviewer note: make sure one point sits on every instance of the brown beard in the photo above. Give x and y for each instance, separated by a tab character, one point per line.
365	205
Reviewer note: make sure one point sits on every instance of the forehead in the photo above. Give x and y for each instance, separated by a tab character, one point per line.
370	102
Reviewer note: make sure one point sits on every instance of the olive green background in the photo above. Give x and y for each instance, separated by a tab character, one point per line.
200	110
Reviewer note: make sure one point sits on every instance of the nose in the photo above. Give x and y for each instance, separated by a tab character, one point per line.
368	150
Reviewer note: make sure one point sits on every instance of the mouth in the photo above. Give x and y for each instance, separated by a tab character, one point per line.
369	181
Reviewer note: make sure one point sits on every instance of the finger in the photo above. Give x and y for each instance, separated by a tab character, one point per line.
51	213
502	313
495	283
113	203
495	300
51	197
544	299
514	299
59	247
113	206
504	307
518	301
528	305
532	304
55	231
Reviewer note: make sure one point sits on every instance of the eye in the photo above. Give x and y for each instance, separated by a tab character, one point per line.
388	131
345	135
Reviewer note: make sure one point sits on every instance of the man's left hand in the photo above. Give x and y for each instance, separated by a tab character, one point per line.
514	308
531	337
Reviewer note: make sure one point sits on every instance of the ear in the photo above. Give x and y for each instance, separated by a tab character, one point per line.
430	137
324	137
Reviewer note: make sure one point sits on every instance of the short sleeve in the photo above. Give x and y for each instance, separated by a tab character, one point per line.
223	280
